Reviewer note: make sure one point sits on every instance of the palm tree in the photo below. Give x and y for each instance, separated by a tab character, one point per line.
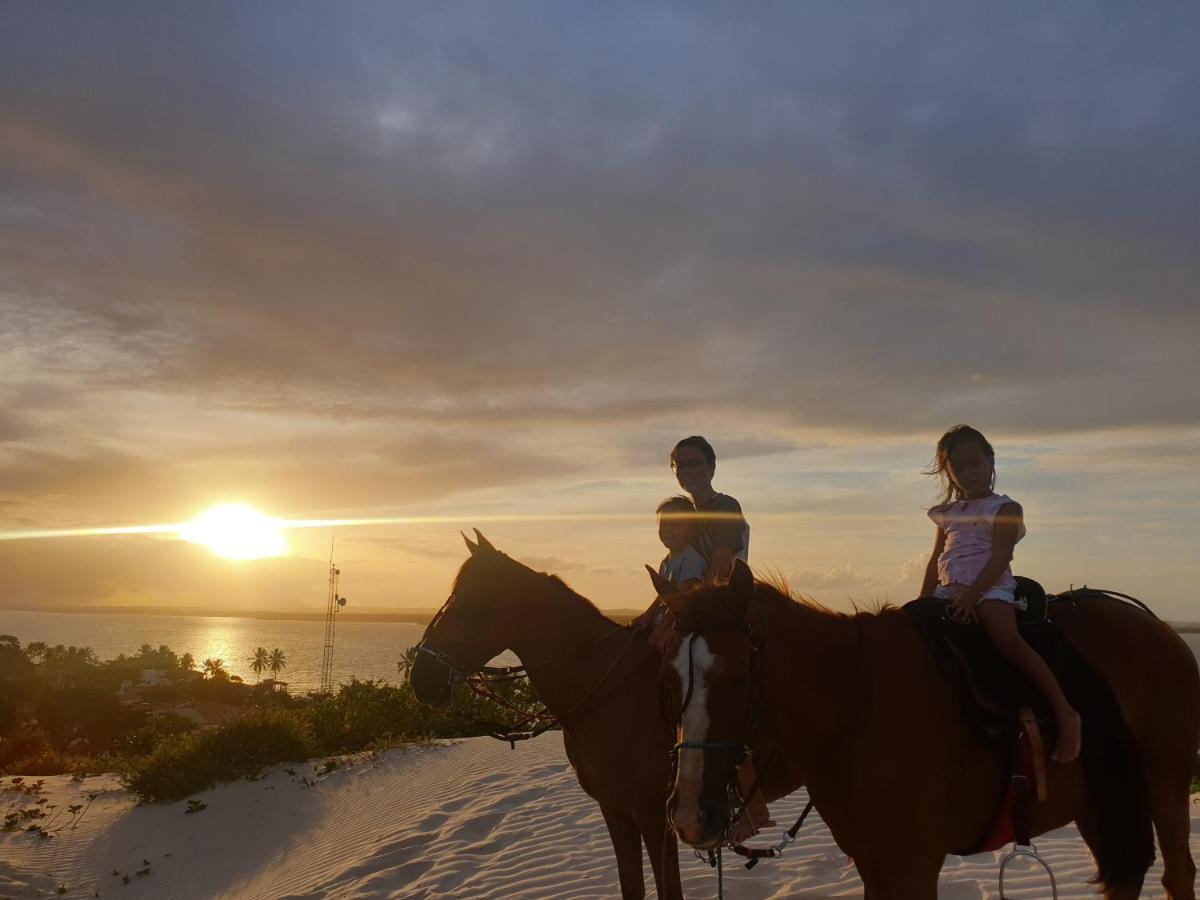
215	669
145	650
406	662
276	662
259	661
187	662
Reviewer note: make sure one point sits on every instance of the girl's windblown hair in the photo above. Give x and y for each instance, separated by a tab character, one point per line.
955	437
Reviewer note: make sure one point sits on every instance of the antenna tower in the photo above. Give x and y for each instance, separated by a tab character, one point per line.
332	605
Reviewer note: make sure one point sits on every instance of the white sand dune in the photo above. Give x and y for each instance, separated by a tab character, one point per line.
464	819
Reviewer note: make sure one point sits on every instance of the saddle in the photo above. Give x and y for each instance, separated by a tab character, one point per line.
1004	709
1001	706
993	692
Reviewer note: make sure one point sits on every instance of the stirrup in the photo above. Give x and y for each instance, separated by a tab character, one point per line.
1030	851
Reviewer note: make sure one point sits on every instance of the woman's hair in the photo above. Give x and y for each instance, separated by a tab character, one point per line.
678	506
700	444
952	439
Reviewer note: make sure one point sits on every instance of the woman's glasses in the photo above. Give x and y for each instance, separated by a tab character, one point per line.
688	464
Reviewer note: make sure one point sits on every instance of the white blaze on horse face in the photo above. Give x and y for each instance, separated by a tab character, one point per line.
692	663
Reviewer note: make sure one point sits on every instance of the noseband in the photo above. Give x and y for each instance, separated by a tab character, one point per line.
740	747
454	677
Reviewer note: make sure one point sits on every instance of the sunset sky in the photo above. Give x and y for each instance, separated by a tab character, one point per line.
484	262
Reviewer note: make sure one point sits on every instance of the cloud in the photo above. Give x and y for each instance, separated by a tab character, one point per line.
372	258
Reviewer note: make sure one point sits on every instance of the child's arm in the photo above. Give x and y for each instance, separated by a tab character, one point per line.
931	567
1004	538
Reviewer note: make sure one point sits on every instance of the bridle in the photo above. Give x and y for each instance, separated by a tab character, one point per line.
481	682
454	677
740	746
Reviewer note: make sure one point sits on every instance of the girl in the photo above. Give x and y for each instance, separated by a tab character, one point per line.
976	532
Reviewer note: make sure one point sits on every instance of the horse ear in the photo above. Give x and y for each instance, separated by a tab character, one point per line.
662	586
741	584
474	548
484	543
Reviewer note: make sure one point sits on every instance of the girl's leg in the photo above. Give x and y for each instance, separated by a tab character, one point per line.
1000	620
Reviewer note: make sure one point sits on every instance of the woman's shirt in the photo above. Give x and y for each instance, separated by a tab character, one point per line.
969	525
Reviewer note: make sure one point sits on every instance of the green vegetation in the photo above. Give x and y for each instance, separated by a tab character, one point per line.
62	710
184	764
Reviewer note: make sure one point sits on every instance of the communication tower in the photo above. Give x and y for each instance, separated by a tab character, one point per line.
332	605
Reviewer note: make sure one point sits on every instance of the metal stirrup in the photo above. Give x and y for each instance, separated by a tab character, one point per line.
1032	853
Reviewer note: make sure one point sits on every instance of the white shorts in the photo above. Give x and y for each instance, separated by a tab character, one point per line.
1004	595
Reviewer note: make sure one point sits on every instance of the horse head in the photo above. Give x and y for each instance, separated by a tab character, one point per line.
471	628
709	675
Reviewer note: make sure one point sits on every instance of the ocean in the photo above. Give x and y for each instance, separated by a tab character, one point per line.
363	650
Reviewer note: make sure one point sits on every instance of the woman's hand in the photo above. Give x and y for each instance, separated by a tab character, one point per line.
962	606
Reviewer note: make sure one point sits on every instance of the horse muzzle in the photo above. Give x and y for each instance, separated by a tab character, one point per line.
698	823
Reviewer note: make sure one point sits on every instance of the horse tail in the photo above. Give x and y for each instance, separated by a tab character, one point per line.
1117	797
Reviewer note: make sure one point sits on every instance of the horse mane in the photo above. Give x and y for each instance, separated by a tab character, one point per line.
773	590
560	586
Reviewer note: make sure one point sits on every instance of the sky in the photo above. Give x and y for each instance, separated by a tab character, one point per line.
484	262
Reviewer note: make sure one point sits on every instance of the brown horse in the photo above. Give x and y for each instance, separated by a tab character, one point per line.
855	708
601	680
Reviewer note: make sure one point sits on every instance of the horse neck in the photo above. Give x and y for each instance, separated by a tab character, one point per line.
812	680
559	636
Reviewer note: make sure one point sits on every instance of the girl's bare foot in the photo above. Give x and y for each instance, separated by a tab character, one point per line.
1070	734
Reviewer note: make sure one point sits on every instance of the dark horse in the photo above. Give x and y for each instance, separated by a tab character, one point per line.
854	707
601	680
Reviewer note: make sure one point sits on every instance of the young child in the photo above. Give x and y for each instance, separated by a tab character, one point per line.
976	532
677	525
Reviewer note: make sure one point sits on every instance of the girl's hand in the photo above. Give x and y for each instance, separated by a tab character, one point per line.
962	607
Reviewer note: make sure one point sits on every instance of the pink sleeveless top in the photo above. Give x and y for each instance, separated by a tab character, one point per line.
968	527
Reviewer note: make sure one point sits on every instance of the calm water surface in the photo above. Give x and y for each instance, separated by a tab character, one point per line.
363	650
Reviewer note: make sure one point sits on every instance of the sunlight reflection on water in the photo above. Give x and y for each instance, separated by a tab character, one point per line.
363	650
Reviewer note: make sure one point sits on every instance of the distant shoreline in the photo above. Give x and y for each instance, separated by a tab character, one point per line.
407	617
410	617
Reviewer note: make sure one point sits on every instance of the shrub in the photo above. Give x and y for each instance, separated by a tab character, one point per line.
368	714
83	714
154	728
183	764
48	761
18	748
365	712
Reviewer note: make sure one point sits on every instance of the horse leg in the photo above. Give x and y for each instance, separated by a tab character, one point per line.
906	878
1170	807
663	850
627	844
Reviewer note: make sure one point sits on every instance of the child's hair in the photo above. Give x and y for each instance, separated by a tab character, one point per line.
955	437
677	507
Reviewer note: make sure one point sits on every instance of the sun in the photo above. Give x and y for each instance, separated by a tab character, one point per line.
236	531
